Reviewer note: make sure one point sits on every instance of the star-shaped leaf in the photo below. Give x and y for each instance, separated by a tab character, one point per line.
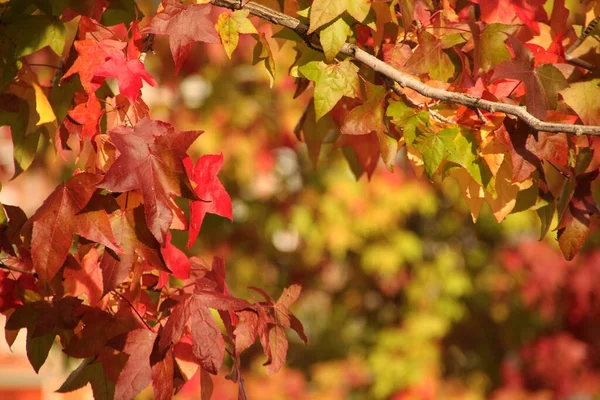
185	25
332	82
151	160
129	74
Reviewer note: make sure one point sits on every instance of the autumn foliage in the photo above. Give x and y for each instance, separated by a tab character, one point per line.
98	267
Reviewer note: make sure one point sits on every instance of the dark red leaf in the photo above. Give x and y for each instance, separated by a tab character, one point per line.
137	373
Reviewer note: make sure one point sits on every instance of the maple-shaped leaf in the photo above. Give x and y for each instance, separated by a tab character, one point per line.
324	11
129	74
137	373
214	198
430	58
229	26
521	68
150	160
63	214
490	46
92	53
332	82
184	25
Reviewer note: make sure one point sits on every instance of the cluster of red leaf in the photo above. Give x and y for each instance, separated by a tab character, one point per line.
95	265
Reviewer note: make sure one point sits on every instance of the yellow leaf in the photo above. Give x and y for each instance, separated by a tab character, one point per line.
506	193
472	192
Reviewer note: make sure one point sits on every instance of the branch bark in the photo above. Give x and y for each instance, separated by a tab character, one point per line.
408	81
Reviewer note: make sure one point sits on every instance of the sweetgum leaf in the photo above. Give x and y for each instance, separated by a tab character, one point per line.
229	27
38	348
31	33
430	58
521	68
333	37
332	82
490	47
90	372
151	155
136	240
367	117
208	344
583	98
91	53
62	215
573	229
162	376
137	373
324	11
129	74
184	25
214	197
278	345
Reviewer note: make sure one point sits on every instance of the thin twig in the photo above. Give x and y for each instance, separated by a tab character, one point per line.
133	308
404	80
15	269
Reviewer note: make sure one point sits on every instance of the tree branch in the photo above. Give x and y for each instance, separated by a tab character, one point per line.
408	81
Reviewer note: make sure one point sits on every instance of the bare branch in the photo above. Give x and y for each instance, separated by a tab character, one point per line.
408	81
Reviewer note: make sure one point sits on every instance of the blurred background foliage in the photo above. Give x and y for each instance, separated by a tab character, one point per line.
405	297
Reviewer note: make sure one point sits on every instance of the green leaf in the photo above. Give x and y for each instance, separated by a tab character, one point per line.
121	11
34	32
314	133
90	372
407	118
229	27
333	37
552	81
38	348
490	46
262	52
432	148
546	214
332	82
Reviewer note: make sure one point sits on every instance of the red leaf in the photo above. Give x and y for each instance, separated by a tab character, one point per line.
208	344
176	260
573	229
88	114
137	373
214	198
278	345
59	217
184	25
128	73
84	278
91	54
151	160
162	377
246	330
